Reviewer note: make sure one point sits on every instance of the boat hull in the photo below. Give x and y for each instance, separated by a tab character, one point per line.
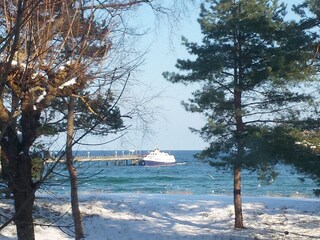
154	163
157	158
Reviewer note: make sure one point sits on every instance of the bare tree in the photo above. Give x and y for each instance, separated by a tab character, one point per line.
52	49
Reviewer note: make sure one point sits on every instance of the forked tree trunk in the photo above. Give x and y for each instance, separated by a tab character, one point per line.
76	214
23	187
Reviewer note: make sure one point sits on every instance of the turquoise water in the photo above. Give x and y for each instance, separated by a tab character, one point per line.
188	176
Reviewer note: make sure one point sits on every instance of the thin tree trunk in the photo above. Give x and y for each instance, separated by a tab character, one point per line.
238	162
73	174
237	198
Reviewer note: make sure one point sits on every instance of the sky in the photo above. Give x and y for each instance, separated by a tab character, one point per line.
172	122
169	129
170	125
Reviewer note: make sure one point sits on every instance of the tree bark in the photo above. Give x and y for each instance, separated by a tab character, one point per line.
76	214
5	173
237	198
23	201
20	182
238	161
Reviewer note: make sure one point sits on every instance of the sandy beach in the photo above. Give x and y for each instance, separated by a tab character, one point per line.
172	216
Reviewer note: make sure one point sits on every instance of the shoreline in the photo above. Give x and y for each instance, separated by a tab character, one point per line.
87	196
122	216
179	193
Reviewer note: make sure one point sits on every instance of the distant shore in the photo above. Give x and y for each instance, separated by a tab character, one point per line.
173	216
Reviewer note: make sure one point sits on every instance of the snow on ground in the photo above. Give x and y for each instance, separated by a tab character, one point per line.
173	216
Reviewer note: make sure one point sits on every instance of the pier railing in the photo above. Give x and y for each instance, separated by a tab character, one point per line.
115	159
108	158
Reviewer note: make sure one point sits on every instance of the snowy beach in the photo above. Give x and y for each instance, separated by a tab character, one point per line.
172	216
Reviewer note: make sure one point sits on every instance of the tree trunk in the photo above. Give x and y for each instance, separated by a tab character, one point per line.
76	214
20	182
238	161
4	172
23	202
237	197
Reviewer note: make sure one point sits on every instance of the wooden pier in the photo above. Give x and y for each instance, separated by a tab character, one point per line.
118	160
108	158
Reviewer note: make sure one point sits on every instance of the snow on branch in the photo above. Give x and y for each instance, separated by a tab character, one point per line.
40	73
41	97
116	5
16	63
71	82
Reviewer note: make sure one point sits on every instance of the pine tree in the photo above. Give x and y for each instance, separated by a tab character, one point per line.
304	154
248	64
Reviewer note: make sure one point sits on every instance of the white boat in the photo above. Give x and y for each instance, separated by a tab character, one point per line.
156	158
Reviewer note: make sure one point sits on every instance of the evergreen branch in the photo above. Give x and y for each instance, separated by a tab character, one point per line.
266	112
276	121
275	101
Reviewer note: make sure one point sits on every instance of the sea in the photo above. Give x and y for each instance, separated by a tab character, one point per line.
188	176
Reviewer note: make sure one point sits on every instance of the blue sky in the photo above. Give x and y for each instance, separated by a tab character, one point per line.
170	126
172	122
